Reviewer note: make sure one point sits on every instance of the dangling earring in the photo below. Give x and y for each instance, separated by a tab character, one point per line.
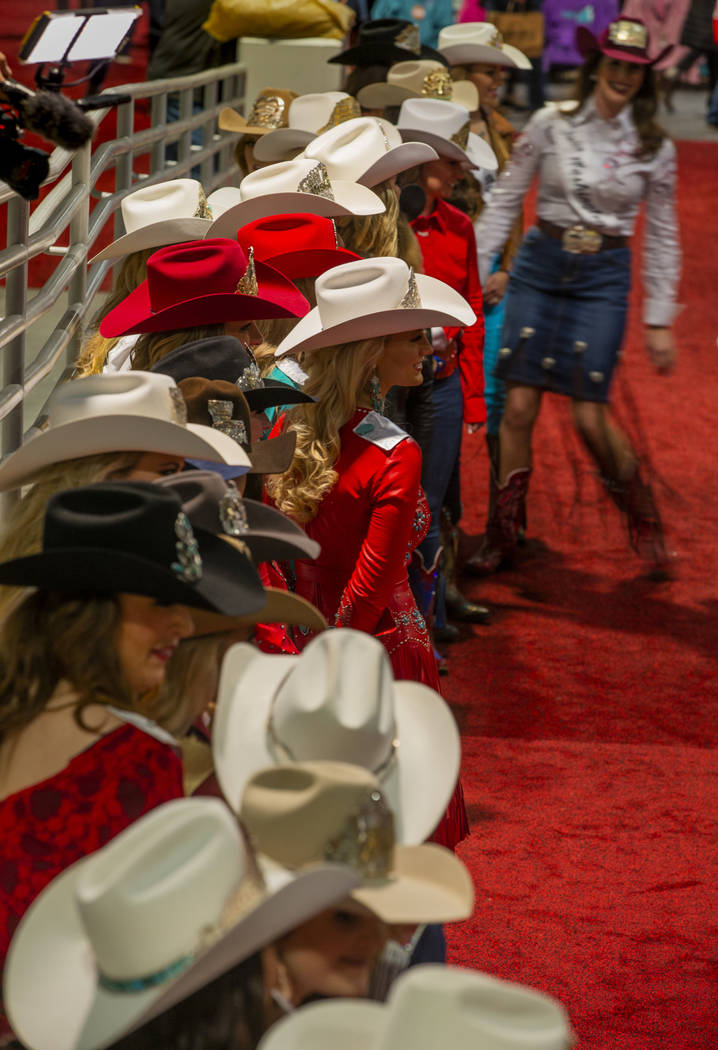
377	401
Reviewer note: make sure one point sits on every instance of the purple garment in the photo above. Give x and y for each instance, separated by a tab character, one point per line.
472	11
563	17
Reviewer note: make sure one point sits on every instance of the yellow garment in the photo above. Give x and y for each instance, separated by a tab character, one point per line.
283	19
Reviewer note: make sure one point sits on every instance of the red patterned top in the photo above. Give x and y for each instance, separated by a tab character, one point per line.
47	827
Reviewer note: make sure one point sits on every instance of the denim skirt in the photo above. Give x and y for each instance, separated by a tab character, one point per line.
565	318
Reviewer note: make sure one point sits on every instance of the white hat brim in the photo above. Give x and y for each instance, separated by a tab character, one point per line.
276	146
397	159
118	433
466	54
51	991
349	199
352	1023
155	235
478	154
381	95
417	787
441	307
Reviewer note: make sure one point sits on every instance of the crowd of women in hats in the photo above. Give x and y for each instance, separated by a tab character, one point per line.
228	780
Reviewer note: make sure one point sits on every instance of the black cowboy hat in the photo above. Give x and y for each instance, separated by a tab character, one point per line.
225	358
134	538
385	41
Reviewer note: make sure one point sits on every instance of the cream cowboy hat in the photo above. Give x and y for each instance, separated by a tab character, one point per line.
430	1006
360	151
171	903
446	127
118	412
469	42
168	213
373	298
421	79
309	115
269	112
338	700
299	185
307	813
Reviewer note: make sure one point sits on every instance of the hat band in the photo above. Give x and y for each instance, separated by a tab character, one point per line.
365	841
409	38
461	137
411	299
188	566
204	211
247	284
437	85
141	984
220	412
344	109
251	378
267	112
317	182
232	514
625	33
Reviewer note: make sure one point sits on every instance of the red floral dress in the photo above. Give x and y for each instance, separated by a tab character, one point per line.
368	525
47	827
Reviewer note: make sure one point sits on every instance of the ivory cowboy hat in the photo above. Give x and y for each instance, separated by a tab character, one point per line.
168	213
431	1006
468	42
299	185
339	701
309	115
374	298
117	412
360	151
174	901
310	813
446	127
421	79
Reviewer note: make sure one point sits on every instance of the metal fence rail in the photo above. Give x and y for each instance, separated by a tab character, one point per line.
67	206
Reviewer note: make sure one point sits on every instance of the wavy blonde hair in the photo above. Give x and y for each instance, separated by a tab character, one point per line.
151	347
373	236
277	328
130	275
22	534
339	376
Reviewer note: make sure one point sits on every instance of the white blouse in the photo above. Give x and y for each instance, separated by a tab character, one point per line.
590	173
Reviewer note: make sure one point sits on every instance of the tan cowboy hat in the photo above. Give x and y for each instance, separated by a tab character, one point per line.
468	42
420	79
269	112
430	1006
310	813
117	412
339	701
174	901
373	298
167	213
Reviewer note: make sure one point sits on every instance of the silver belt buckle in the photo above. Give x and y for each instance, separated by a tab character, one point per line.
580	240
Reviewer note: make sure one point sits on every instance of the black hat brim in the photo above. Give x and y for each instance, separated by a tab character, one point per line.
384	54
275	394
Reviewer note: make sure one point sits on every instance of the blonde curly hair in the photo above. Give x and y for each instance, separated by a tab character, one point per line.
373	236
339	377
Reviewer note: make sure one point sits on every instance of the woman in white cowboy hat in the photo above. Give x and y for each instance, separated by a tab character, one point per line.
355	478
599	158
121	579
446	238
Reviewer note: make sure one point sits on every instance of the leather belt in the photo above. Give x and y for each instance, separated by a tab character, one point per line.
581	240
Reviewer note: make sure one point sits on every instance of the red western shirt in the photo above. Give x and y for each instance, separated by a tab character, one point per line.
447	242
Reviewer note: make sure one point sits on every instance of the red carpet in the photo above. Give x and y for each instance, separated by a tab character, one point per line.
588	709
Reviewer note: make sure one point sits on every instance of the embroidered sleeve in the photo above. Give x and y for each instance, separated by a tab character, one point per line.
661	247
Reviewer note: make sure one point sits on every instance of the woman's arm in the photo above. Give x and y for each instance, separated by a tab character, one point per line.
661	259
393	494
471	358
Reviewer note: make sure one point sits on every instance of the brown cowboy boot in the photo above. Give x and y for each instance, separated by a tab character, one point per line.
502	530
634	497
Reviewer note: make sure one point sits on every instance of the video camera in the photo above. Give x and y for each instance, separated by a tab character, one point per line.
60	38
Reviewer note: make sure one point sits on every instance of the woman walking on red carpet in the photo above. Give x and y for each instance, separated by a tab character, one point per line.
598	159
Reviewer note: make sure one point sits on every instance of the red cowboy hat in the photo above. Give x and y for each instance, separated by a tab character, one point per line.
203	282
625	39
297	245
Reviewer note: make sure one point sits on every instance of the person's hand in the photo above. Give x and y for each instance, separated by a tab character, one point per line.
472	428
661	348
5	70
495	287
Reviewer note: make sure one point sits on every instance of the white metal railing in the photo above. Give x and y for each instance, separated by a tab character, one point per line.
34	230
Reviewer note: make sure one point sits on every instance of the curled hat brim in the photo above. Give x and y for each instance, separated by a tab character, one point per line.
587	44
154	235
397	159
349	199
274	455
279	607
277	144
383	54
311	263
481	154
275	394
467	53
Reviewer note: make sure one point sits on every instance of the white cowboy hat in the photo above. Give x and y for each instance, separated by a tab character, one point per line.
421	79
338	700
446	127
372	298
168	213
307	813
430	1006
171	903
469	42
309	115
120	412
299	185
360	151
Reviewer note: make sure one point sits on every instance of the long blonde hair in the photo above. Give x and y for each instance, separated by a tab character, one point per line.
22	534
151	347
277	328
130	275
339	377
373	236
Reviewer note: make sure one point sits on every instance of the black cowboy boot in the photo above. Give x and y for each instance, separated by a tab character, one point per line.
456	605
634	497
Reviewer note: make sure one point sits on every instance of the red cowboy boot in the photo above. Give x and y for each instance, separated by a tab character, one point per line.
502	530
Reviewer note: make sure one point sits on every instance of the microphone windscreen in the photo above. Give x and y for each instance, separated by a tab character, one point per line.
56	118
412	201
